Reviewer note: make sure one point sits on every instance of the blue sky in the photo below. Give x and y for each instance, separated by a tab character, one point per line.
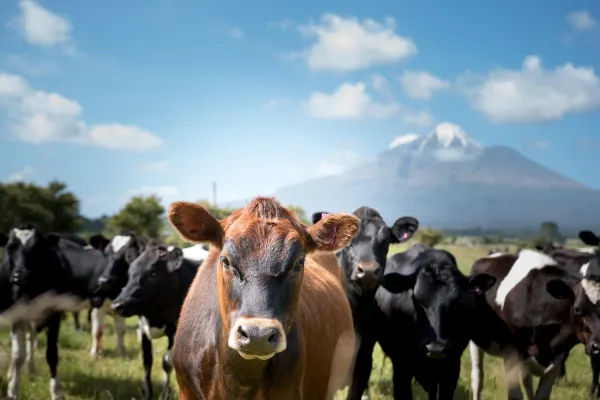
164	96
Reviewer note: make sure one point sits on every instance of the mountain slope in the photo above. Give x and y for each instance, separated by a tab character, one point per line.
449	181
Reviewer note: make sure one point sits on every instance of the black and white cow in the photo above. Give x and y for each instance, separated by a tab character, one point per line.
541	303
426	311
363	263
158	282
119	252
32	267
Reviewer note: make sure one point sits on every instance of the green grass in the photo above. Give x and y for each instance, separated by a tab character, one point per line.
110	377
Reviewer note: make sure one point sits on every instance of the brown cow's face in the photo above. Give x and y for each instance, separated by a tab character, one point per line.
260	261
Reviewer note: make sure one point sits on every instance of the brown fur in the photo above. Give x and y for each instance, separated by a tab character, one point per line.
321	336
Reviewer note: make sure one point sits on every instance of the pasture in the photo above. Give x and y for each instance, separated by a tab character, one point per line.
110	377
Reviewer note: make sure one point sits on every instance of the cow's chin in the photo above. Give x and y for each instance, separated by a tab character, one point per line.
246	356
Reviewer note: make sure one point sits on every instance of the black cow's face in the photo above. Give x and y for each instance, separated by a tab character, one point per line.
27	252
149	275
121	251
365	258
442	297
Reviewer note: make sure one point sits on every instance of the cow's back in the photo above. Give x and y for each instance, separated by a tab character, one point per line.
326	327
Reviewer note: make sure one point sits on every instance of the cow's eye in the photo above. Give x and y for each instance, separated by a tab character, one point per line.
225	263
577	311
298	265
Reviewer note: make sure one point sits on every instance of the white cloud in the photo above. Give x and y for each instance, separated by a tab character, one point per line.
42	117
534	94
379	83
339	162
43	28
22	174
236	33
164	192
349	101
156	166
285	23
347	44
420	119
582	21
404	139
421	85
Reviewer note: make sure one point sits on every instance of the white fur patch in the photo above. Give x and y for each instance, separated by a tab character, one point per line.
590	288
118	242
195	253
170	248
590	250
149	331
23	234
528	261
494	255
88	247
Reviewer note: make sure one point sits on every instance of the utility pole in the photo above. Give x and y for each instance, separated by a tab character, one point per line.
215	194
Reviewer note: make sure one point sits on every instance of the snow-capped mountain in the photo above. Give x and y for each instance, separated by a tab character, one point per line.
448	180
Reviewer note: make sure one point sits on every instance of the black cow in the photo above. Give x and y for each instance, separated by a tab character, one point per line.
32	266
363	263
426	311
543	304
120	252
159	280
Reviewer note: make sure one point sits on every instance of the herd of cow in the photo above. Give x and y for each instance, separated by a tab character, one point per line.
275	309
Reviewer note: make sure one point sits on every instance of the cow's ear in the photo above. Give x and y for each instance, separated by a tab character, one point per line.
175	259
334	232
3	239
98	241
396	283
52	239
481	283
195	224
560	290
589	238
404	228
316	217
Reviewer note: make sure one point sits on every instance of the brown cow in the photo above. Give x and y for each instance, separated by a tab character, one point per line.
266	316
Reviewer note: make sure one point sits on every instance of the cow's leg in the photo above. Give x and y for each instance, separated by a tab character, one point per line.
17	339
147	360
98	315
120	330
547	381
167	366
476	370
512	367
76	321
362	369
31	346
402	377
52	355
449	380
595	362
527	378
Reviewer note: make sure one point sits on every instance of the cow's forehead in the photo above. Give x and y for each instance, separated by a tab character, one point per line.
119	242
23	235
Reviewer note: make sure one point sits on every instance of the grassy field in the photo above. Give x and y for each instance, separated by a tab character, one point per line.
111	377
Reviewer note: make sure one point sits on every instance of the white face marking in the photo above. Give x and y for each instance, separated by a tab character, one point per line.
584	268
528	261
23	235
118	242
590	287
195	253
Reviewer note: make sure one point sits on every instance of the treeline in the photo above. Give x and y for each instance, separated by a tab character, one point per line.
53	208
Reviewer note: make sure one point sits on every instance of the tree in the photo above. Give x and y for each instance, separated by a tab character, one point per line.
550	233
142	215
50	208
217	212
429	236
300	213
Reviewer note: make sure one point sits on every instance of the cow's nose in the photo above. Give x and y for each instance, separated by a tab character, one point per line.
259	340
595	349
17	278
369	273
436	349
